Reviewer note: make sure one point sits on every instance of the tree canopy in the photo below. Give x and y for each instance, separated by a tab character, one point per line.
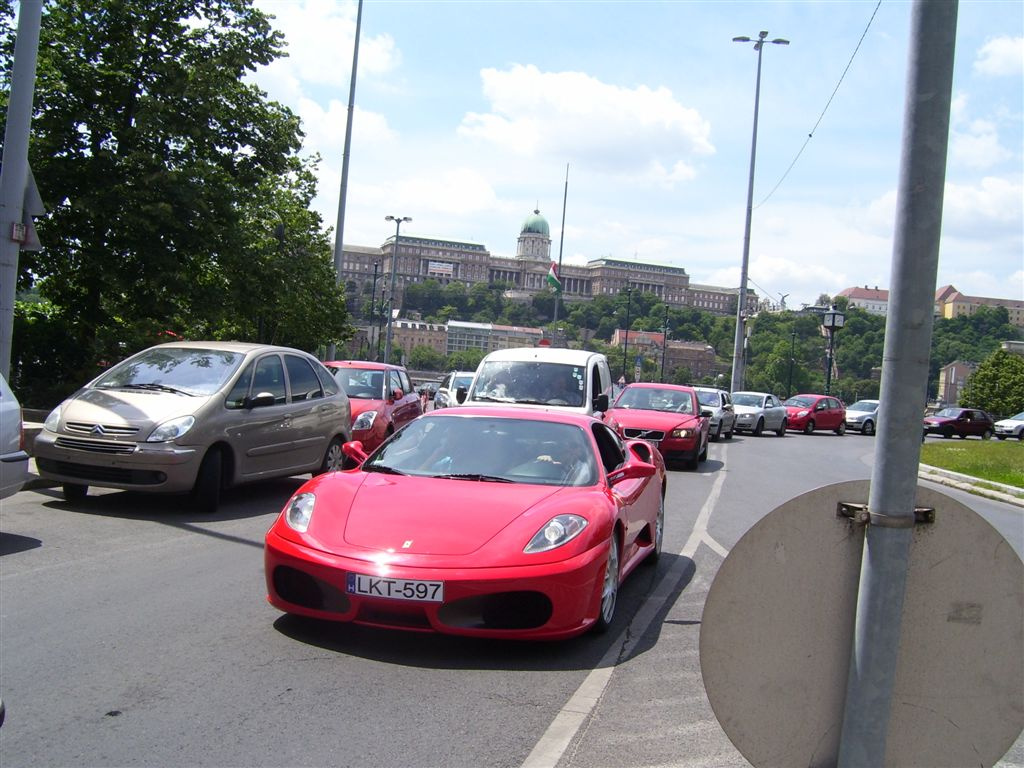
176	196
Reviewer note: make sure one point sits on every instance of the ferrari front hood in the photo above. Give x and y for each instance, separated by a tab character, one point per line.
431	516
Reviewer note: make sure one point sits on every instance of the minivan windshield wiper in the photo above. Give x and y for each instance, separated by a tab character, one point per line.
153	386
489	399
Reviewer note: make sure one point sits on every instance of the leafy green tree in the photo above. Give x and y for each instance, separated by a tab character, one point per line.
465	360
997	386
166	176
424	358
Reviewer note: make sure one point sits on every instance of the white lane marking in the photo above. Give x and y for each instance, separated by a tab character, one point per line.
556	739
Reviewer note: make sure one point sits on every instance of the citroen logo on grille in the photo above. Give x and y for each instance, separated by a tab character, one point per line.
97	430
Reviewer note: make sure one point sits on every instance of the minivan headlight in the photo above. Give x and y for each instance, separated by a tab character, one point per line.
171	430
53	420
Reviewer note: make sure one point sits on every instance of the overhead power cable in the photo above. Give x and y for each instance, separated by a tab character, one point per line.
822	115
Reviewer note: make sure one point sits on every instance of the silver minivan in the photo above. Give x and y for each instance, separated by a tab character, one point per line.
197	417
13	457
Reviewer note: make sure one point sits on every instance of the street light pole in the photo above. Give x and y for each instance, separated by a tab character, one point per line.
792	358
832	321
741	298
625	344
394	267
664	344
373	303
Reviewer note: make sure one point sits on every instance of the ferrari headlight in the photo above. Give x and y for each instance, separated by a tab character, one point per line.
171	430
684	432
364	420
299	511
559	530
801	414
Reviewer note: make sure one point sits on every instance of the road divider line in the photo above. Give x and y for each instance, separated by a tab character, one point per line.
571	717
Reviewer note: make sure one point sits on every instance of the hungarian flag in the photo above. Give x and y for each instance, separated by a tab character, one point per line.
553	280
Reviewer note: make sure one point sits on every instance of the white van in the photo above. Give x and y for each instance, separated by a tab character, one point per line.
543	377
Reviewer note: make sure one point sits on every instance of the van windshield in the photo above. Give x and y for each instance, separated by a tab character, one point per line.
530	383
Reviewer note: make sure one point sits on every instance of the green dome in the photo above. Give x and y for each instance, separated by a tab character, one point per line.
535	224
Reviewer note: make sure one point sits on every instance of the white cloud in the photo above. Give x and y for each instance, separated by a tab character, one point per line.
1001	56
640	132
991	204
320	35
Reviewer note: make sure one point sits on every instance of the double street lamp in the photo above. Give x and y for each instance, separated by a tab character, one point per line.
741	298
831	321
391	297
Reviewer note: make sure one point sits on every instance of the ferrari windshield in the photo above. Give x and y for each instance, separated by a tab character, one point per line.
800	402
361	383
184	370
489	448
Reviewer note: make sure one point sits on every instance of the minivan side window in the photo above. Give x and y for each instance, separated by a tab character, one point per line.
236	397
269	377
304	383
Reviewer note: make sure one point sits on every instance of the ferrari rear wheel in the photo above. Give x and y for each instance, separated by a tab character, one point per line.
610	588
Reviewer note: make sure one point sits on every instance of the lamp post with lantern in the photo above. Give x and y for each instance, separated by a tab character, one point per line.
831	321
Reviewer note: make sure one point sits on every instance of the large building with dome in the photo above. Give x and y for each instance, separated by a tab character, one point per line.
419	259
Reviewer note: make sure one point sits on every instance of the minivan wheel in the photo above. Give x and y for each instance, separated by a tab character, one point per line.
206	491
334	457
74	491
868	428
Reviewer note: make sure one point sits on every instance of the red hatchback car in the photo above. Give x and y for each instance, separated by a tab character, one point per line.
806	413
667	415
962	422
381	397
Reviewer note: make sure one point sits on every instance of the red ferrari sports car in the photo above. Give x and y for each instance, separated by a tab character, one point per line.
669	416
491	522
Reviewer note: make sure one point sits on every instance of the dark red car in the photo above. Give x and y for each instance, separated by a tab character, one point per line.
669	416
960	422
806	413
381	396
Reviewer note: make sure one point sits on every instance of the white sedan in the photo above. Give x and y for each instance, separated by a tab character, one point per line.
758	411
1011	427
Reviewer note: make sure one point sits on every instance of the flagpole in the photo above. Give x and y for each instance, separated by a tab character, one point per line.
561	241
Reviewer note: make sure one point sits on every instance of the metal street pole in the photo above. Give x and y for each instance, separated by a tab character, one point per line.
14	172
394	268
625	344
908	335
792	358
373	304
561	241
339	239
741	298
664	345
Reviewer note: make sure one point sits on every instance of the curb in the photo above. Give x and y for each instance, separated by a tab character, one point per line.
1010	494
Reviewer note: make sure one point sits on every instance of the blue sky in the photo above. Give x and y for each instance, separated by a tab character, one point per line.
467	115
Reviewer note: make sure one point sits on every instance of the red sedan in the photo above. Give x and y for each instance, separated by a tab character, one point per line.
490	522
666	415
381	396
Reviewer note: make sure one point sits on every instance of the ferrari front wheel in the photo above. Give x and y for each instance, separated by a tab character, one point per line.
610	588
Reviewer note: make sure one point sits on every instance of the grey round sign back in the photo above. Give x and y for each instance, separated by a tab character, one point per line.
777	630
